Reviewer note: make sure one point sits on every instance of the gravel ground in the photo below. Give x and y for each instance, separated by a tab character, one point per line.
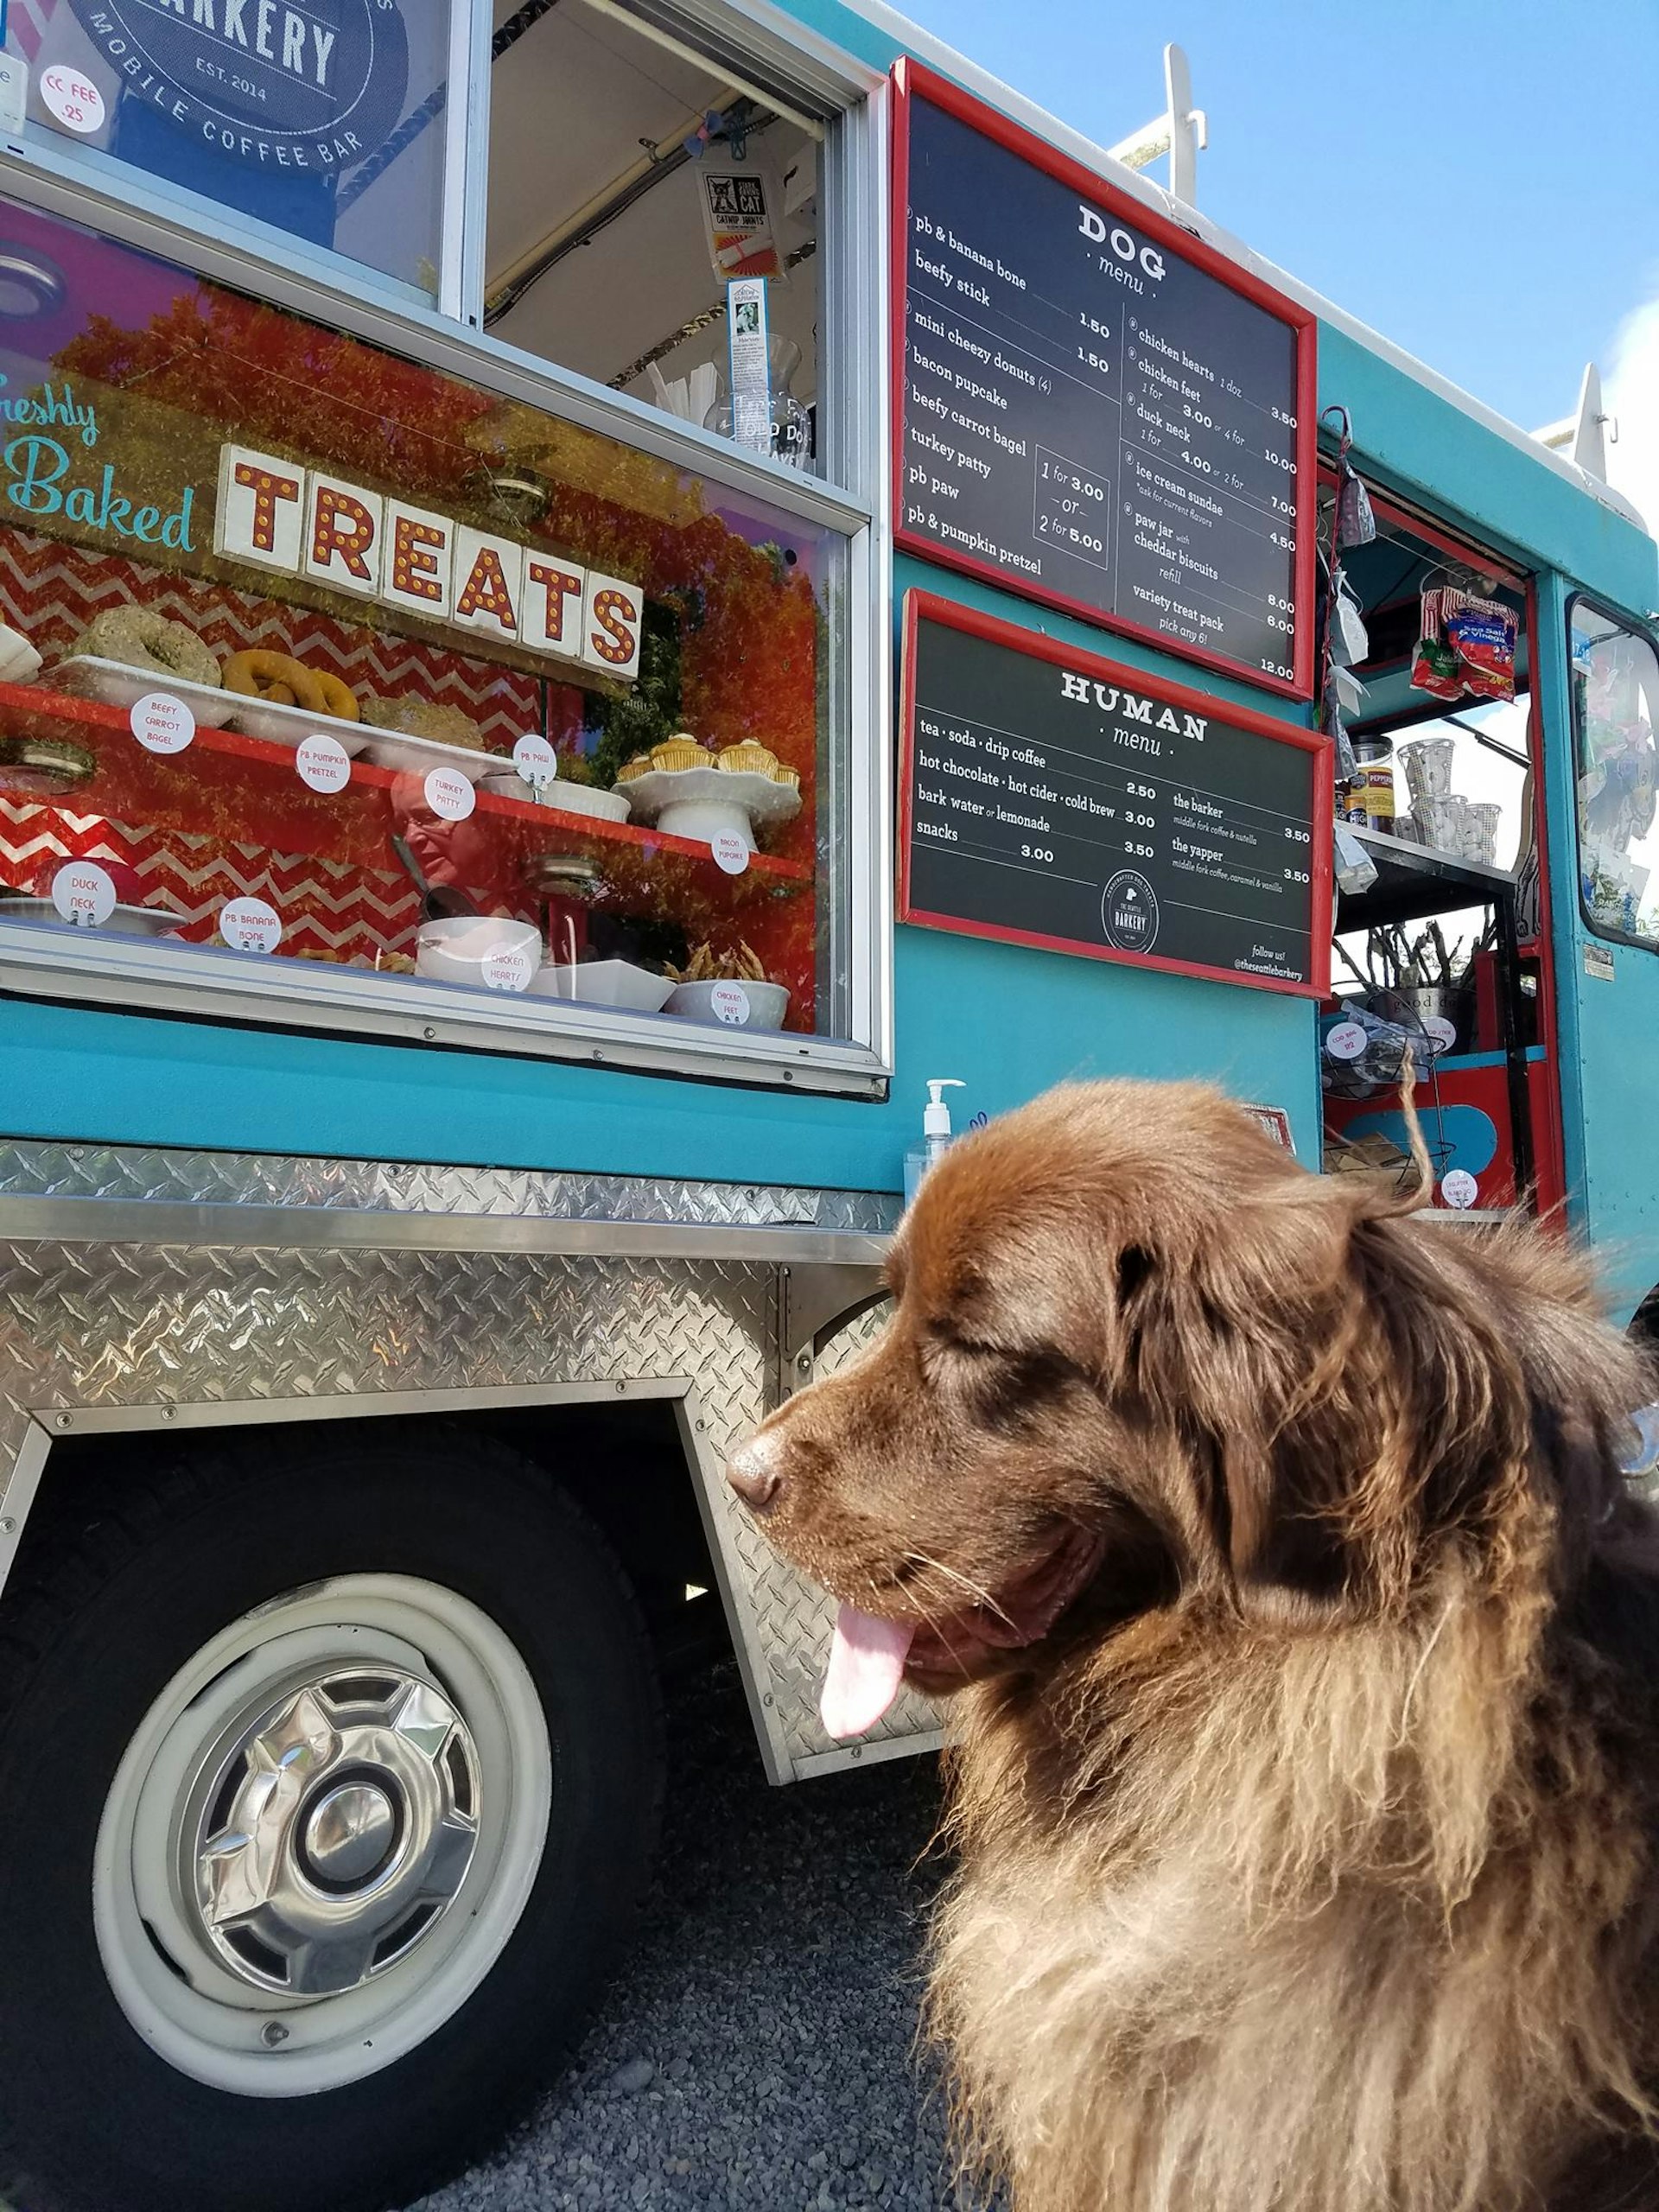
757	2051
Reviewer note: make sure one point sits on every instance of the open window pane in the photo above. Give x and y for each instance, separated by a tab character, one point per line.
629	182
1616	710
316	654
324	118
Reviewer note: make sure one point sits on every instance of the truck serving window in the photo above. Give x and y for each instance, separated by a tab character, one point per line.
1615	677
330	676
631	181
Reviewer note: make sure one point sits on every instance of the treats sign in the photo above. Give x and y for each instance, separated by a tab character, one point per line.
306	523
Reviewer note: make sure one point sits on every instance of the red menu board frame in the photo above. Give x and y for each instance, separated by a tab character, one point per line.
913	81
947	613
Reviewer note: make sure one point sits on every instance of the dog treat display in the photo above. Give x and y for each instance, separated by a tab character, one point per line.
332	679
138	637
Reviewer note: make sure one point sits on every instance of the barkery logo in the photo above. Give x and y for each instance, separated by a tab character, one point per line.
316	87
278	515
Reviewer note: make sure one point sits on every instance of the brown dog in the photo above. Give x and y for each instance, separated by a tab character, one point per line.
1306	1640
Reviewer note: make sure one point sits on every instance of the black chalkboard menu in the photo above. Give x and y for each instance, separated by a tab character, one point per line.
1092	408
1053	798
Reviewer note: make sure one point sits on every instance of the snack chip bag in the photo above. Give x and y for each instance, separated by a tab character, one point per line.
1481	633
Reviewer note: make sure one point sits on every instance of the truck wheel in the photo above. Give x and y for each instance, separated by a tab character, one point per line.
330	1782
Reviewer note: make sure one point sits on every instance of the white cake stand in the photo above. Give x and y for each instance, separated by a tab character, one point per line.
702	803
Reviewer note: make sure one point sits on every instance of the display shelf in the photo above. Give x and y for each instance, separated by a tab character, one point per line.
1414	882
31	710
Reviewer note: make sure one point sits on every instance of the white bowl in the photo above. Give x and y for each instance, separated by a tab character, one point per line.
566	799
767	1003
605	982
481	950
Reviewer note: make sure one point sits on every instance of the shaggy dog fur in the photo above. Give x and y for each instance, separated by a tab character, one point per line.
1305	1640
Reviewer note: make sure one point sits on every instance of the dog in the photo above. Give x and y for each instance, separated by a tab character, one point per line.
1301	1633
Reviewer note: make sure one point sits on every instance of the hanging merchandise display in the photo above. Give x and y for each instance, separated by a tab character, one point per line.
738	199
1349	641
1464	645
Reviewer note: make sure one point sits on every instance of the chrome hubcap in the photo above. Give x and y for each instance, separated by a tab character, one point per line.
327	1836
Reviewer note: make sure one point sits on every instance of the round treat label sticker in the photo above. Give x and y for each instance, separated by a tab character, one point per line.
250	925
508	967
161	723
730	853
76	102
1441	1035
729	1002
1459	1189
83	893
450	794
323	763
1346	1041
535	760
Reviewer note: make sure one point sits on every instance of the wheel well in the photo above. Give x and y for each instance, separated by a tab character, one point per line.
625	1465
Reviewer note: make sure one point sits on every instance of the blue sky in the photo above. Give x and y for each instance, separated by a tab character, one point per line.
1481	186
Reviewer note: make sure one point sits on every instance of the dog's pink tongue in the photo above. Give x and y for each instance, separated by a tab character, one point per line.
866	1665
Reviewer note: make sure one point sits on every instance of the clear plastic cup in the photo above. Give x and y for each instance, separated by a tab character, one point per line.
1428	766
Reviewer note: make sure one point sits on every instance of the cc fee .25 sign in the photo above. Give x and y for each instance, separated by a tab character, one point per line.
1053	798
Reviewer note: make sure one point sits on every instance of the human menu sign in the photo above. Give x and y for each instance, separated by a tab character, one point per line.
1093	409
1051	798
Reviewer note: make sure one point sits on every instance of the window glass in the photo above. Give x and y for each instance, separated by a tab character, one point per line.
322	118
313	654
1616	709
630	186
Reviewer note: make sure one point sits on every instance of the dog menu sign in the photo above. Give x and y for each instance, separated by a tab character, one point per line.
1050	798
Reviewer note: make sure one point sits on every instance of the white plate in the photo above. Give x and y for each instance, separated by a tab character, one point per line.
123	921
759	797
117	684
562	798
390	748
281	725
605	982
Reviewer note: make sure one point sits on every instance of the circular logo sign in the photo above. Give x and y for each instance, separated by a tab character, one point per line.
77	106
1459	1189
730	851
1129	911
536	761
449	794
161	723
507	967
83	893
250	925
1440	1033
311	89
1346	1041
323	763
729	1002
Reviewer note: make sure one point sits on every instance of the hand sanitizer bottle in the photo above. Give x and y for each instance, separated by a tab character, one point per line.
935	1132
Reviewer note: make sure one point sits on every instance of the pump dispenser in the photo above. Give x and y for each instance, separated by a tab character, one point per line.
936	1131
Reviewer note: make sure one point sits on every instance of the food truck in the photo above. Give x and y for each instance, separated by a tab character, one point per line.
594	596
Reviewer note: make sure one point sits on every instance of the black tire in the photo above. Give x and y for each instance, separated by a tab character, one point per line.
122	1591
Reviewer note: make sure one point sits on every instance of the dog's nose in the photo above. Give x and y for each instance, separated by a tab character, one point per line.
753	1475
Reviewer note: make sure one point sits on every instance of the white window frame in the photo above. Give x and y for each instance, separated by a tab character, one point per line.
328	289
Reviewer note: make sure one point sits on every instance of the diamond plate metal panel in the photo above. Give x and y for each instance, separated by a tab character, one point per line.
96	1327
35	1169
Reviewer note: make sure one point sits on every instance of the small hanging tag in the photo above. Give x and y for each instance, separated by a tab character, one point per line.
1349	642
737	220
746	327
1355	524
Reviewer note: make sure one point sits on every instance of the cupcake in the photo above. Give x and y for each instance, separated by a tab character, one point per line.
641	765
788	778
679	752
748	759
